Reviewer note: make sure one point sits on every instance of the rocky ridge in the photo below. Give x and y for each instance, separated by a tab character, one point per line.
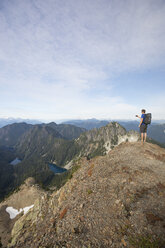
101	141
113	201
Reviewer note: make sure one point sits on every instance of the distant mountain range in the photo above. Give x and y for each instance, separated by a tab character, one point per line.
88	124
95	123
7	121
156	130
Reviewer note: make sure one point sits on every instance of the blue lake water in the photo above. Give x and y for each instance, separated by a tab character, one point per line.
56	169
15	161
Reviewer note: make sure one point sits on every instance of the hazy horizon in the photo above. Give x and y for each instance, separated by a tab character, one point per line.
71	119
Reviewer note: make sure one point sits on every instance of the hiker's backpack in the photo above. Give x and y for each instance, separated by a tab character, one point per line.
147	119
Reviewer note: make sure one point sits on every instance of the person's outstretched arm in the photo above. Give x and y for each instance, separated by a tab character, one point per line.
138	116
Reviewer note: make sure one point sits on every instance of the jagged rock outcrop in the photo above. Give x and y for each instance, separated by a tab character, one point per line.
101	141
88	123
117	200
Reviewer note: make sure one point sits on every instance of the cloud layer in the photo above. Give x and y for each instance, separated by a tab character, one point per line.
60	59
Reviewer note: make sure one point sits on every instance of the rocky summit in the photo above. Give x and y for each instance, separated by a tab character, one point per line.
116	200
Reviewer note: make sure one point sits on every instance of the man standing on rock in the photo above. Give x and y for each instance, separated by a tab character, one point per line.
143	126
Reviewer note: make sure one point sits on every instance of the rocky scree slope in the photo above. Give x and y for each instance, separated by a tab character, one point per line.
113	201
88	124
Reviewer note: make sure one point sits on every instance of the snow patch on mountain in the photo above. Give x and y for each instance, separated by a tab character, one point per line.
14	212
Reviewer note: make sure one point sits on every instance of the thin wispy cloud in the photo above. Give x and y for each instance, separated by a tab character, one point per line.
63	59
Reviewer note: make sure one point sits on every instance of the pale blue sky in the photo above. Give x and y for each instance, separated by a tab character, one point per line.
64	59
